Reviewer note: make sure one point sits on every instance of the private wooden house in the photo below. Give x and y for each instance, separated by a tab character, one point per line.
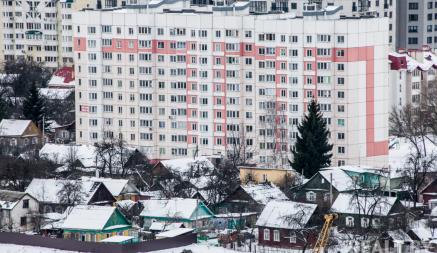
251	198
19	135
54	194
94	223
288	224
190	212
361	212
18	211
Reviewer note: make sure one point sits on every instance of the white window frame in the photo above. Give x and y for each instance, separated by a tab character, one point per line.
276	235
266	235
365	222
311	196
293	237
376	222
350	221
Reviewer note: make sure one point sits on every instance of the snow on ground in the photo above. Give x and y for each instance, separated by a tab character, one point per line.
13	248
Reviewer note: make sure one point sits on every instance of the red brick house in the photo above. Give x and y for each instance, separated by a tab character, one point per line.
288	224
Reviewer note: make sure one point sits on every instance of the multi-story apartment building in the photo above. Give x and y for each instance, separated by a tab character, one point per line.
33	29
42	30
177	82
412	75
354	8
416	24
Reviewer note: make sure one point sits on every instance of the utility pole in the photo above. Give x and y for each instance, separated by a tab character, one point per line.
43	130
330	189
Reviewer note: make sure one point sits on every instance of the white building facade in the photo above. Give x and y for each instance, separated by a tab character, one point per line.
412	76
179	83
41	30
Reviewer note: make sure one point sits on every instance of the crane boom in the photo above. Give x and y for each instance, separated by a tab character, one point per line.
322	240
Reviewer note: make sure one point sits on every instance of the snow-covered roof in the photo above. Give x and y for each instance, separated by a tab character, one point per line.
263	193
163	226
174	232
428	61
399	152
365	205
89	217
13	127
183	165
422	230
53	220
117	187
118	238
126	204
399	236
170	208
340	179
286	214
61	153
63	77
55	93
8	199
47	190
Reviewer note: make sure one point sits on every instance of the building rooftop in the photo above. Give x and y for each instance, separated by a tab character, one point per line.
286	214
13	127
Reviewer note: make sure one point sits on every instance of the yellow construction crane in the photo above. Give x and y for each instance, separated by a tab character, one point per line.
324	234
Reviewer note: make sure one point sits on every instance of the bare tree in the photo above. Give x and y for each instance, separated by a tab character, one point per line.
274	130
417	125
304	232
415	172
71	159
71	192
123	155
106	155
240	148
411	123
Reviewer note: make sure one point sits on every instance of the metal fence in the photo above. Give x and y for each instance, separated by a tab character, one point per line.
96	247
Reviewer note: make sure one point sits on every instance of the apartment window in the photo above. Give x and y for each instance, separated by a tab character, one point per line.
266	234
413	6
309	39
341	150
340	136
276	235
106	29
340	39
413	17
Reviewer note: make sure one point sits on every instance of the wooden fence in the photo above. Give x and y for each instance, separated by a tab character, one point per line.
97	247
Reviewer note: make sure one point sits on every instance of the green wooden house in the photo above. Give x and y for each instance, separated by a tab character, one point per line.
191	212
367	178
95	223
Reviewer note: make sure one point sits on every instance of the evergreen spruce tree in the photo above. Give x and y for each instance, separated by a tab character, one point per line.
312	150
33	106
